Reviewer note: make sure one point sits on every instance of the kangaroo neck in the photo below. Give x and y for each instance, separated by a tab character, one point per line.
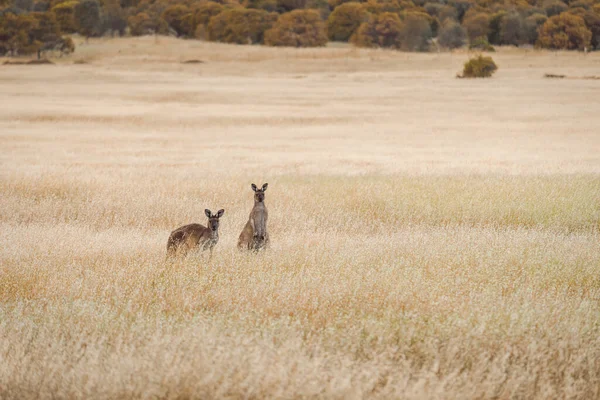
214	234
259	204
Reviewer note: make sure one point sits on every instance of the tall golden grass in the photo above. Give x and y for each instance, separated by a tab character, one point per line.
431	238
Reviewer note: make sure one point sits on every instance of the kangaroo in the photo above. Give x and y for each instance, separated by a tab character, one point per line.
254	236
188	237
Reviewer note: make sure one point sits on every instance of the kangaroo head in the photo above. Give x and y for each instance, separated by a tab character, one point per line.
259	194
213	219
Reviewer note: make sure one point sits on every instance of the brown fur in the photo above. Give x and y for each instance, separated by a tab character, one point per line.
254	236
192	236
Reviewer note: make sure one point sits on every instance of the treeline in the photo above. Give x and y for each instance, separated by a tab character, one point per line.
29	26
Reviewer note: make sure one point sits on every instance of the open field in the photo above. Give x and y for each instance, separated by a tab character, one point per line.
431	237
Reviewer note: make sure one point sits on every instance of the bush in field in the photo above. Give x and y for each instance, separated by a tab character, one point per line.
592	21
416	32
345	20
477	25
452	35
180	19
298	28
383	30
532	25
240	25
65	15
479	67
564	31
87	18
554	7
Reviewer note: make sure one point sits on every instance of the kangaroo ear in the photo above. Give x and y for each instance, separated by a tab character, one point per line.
265	186
254	187
220	213
207	212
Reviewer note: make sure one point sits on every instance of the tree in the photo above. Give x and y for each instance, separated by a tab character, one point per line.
416	32
564	31
451	35
531	27
592	21
477	25
114	17
511	29
383	30
495	26
202	15
65	15
14	33
240	25
298	28
87	18
554	7
180	19
345	20
45	32
140	24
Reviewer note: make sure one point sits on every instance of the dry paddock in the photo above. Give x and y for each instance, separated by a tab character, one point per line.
432	237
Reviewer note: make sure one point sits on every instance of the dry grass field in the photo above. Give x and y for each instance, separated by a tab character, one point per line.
431	237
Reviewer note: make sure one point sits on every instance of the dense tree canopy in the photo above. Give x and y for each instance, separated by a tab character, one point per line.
28	26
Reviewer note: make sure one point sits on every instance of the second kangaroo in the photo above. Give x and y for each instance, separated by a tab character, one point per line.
192	236
254	236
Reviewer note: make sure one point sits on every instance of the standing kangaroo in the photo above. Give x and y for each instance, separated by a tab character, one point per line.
254	236
190	236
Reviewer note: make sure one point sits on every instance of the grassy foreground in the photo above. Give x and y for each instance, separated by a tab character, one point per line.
418	251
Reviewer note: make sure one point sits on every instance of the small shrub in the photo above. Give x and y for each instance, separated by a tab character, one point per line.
240	25
452	35
564	31
479	67
345	20
298	28
383	30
